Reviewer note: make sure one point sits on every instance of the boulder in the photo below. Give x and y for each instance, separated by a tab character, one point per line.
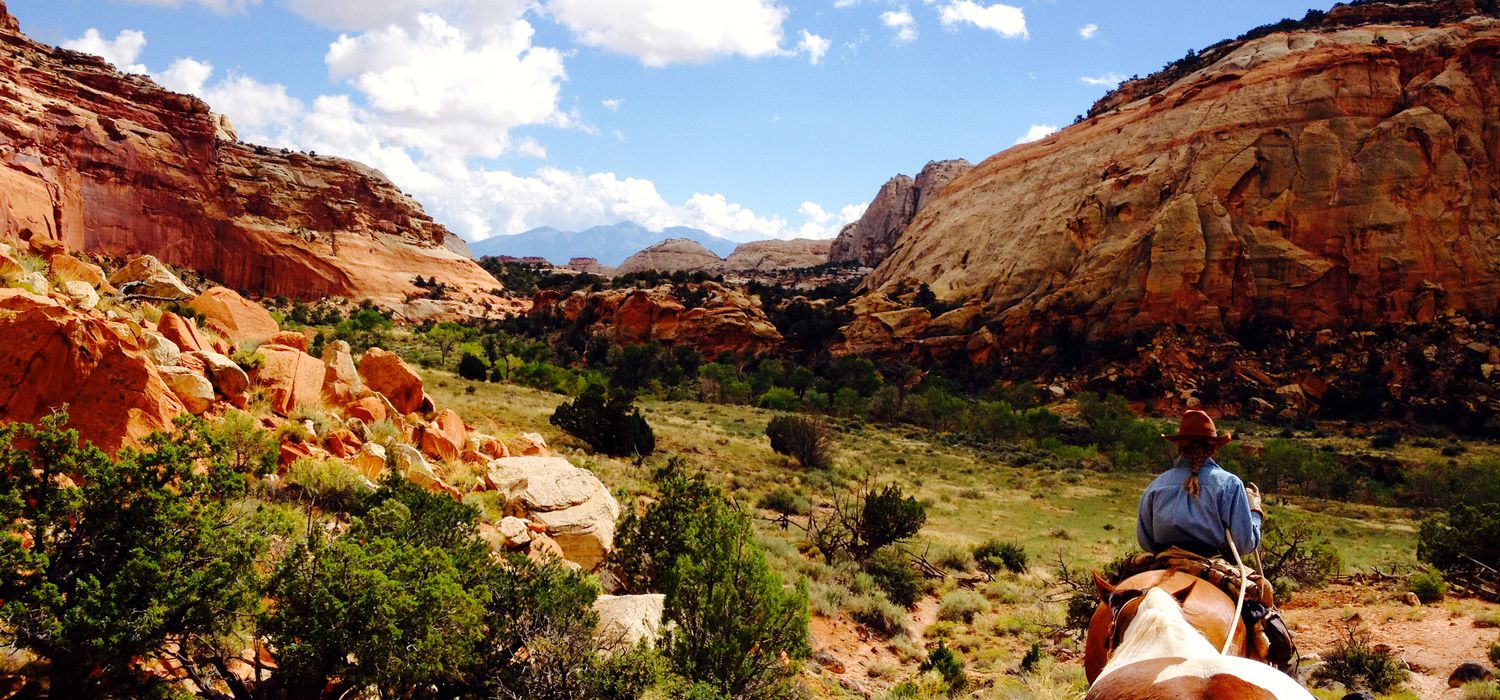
192	388
445	437
370	461
66	268
161	350
576	508
291	339
416	470
514	531
229	379
628	620
388	374
183	332
149	277
291	378
533	445
340	379
369	409
81	293
341	443
1469	672
54	356
238	318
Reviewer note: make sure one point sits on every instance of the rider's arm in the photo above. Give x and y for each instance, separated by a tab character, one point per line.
1143	524
1243	523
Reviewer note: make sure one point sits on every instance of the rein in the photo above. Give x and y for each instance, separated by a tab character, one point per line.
1117	602
1239	605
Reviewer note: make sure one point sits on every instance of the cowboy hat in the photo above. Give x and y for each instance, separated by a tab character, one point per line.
1196	425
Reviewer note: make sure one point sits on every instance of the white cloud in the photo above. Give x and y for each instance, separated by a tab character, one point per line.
819	223
1107	80
1037	132
841	4
1088	31
814	46
901	21
662	32
448	90
364	15
1005	20
223	7
613	105
121	50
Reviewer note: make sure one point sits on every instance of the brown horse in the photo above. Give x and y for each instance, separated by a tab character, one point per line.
1158	635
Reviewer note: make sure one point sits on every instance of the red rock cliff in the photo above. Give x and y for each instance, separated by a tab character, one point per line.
110	163
1329	177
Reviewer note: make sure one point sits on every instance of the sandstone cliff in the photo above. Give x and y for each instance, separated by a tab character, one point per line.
870	239
770	256
1326	178
715	319
98	161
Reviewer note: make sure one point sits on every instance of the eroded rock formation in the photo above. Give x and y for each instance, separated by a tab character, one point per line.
98	161
869	240
770	256
672	255
721	319
1324	178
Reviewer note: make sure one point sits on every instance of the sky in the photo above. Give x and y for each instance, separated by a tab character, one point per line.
750	119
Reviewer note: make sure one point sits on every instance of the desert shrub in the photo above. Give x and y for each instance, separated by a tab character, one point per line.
878	613
1428	585
249	360
1453	540
1298	551
734	618
330	485
473	367
993	556
1481	690
947	664
608	422
807	439
786	502
141	553
1357	664
895	575
1495	654
961	606
246	447
779	398
888	516
1033	658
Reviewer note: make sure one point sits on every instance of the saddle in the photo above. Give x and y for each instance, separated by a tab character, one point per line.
1260	613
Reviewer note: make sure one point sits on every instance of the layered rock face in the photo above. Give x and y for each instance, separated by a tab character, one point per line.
770	256
724	320
869	240
671	255
1322	179
97	161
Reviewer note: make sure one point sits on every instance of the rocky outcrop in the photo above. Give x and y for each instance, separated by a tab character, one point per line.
1314	179
769	256
722	319
98	161
589	266
235	317
388	374
869	240
578	511
628	620
671	255
99	369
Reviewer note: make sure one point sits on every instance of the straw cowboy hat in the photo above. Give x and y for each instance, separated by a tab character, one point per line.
1196	425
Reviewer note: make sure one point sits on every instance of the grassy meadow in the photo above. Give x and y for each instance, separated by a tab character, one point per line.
1079	517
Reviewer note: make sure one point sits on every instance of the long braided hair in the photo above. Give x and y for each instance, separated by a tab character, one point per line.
1191	485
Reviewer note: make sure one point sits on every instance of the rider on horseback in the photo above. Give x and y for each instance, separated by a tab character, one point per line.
1192	505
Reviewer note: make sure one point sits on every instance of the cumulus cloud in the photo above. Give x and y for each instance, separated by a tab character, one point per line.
364	15
663	32
1037	132
612	105
1106	80
904	24
818	222
1088	31
814	46
122	50
1005	20
223	7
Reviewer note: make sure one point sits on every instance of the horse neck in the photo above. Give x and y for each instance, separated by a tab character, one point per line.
1159	631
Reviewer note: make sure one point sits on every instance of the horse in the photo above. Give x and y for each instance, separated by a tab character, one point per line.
1158	636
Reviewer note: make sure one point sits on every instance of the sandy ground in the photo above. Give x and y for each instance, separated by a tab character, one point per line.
1432	639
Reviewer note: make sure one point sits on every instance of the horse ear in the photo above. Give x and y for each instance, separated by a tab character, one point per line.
1186	591
1102	587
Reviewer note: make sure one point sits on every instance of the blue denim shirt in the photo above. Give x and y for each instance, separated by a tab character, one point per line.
1171	516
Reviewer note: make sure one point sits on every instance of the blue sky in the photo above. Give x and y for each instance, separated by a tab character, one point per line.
747	118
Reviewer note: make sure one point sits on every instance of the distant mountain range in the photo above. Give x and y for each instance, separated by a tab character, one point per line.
609	245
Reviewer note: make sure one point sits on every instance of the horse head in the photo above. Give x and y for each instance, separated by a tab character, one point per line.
1155	649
